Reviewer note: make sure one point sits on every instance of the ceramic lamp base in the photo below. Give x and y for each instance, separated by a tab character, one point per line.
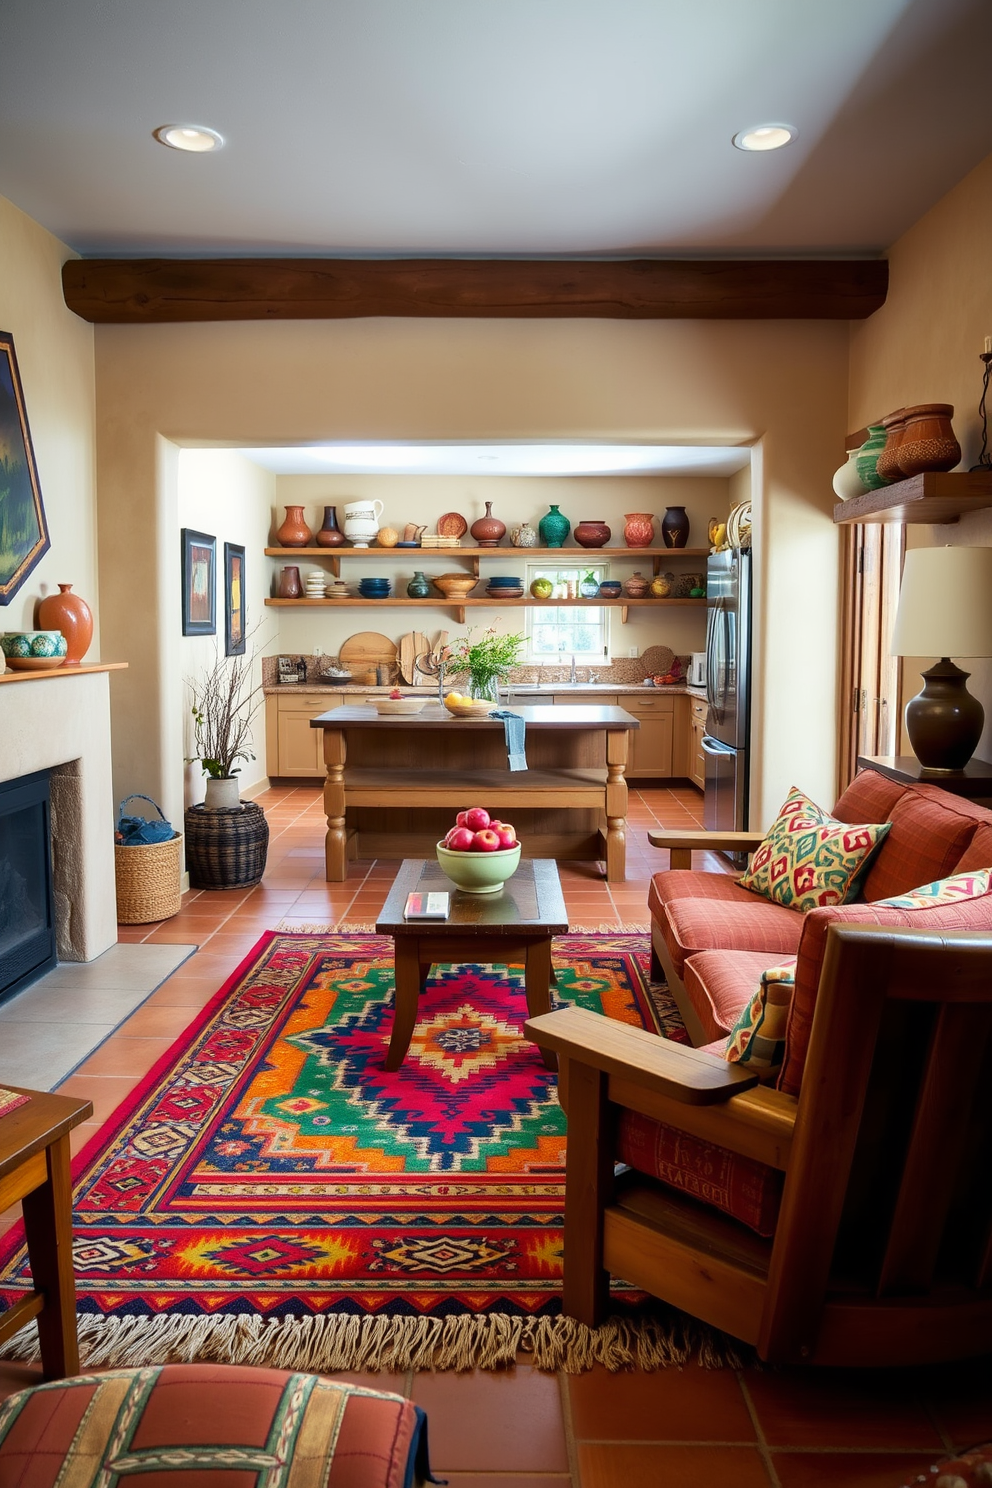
944	722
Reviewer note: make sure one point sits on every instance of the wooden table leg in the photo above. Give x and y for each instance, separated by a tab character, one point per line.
616	807
407	998
48	1231
537	985
335	842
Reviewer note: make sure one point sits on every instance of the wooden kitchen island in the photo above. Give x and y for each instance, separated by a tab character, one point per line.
395	783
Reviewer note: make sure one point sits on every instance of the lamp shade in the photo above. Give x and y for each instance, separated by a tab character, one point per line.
945	603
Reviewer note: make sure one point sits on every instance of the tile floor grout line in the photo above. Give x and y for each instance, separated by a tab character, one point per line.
764	1451
568	1430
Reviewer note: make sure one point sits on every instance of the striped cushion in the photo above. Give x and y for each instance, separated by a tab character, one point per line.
719	985
739	1186
691	925
758	1036
809	859
930	830
208	1426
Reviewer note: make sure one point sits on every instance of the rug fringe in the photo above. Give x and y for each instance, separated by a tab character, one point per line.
325	1345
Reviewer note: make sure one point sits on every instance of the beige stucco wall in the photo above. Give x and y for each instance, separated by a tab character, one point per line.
55	356
924	345
782	384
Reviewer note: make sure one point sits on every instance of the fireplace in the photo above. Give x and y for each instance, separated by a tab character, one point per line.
27	913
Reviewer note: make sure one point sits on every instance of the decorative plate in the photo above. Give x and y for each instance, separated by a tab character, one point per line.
452	524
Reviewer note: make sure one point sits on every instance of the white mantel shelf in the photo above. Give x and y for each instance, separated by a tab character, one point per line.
48	674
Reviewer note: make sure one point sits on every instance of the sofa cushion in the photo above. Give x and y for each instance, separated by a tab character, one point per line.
869	797
944	891
928	835
691	925
758	1036
720	985
978	853
694	883
808	858
741	1187
964	914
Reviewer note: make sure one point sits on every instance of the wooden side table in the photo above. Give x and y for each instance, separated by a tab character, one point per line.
974	781
34	1169
515	925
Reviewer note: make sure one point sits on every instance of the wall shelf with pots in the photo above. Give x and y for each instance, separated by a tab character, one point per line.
935	496
460	605
333	556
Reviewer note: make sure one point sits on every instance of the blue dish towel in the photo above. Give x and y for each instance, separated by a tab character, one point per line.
515	729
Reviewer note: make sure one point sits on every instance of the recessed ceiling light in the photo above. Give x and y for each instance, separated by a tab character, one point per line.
765	137
194	137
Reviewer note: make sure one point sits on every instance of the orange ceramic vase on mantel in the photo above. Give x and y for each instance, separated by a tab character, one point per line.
71	615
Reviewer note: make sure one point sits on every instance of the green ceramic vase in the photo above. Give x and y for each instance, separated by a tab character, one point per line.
868	457
554	528
419	586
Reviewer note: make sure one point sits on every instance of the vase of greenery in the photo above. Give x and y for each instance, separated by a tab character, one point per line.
487	660
224	702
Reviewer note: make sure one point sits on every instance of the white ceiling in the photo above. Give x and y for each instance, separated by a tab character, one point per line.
500	459
489	127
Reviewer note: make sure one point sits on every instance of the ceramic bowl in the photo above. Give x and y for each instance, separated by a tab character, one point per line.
455	585
469	707
386	706
33	650
479	872
611	589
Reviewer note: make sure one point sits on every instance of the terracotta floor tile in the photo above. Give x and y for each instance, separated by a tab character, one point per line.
395	1383
507	1480
839	1408
14	1377
959	1396
164	1020
848	1469
610	1466
105	1091
509	1421
690	1404
190	993
122	1055
82	1134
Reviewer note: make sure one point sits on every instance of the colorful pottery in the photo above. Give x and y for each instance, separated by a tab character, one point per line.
361	521
488	530
928	441
589	587
675	527
33	650
661	585
610	589
554	528
330	534
637	586
294	532
847	482
592	534
289	583
868	457
638	529
71	615
524	537
887	464
419	586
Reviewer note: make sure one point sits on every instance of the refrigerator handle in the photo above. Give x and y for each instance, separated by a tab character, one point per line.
710	747
711	655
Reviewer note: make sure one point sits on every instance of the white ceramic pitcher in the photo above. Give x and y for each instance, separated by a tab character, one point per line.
361	521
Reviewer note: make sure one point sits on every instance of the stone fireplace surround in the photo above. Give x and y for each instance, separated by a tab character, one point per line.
60	721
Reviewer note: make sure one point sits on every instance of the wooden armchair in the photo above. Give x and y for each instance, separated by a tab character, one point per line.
882	1248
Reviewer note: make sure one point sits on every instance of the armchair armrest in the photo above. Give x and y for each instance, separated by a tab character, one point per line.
674	1070
683	844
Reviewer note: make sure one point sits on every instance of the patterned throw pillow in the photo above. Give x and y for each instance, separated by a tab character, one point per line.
944	891
758	1036
809	860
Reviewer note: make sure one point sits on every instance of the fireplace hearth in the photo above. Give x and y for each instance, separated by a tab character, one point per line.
27	913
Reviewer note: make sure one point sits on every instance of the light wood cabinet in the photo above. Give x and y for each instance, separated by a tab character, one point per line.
587	700
697	728
292	746
652	745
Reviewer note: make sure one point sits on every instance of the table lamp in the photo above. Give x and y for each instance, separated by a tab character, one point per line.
945	610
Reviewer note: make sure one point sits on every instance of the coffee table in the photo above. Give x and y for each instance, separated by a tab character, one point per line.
513	926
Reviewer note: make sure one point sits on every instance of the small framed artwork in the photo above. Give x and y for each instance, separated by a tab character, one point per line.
199	583
234	600
23	528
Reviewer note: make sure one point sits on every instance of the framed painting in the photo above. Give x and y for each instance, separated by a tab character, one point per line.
23	528
234	600
199	583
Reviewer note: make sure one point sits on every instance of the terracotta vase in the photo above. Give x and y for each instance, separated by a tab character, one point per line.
928	441
73	617
887	464
592	534
868	458
637	586
289	583
294	532
488	530
330	534
675	527
638	529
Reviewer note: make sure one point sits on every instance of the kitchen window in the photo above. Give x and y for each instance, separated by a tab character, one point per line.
560	629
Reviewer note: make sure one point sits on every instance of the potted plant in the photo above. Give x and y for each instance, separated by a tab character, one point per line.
487	660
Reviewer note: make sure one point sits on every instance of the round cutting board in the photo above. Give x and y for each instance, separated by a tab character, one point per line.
367	649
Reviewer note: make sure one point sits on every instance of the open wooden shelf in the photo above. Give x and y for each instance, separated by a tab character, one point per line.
935	496
460	605
432	555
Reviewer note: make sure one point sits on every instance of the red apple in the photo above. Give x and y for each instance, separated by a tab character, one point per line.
460	818
485	840
460	839
477	819
396	693
506	834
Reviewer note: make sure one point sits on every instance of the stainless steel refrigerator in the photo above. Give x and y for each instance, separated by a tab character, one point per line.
726	742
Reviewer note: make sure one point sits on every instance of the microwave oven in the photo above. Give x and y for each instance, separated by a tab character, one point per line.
697	669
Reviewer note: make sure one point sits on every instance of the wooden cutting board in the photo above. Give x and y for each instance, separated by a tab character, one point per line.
407	656
421	647
365	651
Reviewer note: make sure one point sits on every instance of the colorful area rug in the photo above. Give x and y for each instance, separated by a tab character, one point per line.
270	1194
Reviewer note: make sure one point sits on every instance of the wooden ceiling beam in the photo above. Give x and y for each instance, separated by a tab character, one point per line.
159	290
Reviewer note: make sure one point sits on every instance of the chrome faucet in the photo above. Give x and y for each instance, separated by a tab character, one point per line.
573	675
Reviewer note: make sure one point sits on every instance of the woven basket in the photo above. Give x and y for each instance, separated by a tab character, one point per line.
226	849
148	880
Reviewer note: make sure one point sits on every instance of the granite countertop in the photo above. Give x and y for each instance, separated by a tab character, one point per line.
519	695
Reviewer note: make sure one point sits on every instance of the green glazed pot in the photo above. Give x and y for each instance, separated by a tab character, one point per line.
419	586
554	528
868	457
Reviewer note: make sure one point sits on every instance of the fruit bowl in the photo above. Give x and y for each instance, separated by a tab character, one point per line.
469	707
479	872
396	705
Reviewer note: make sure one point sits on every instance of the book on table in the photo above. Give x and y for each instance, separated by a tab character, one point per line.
434	906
